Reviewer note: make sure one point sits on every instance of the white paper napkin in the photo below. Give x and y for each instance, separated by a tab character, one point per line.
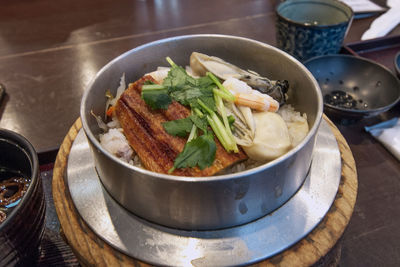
385	22
388	133
362	6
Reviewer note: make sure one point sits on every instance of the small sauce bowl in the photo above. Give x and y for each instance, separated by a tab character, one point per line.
22	203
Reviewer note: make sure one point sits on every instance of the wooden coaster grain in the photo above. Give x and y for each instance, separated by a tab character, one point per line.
91	250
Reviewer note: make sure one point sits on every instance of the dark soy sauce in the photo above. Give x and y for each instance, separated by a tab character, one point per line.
13	185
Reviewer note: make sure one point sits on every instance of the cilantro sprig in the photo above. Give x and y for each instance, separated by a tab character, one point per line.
197	152
180	127
156	96
181	87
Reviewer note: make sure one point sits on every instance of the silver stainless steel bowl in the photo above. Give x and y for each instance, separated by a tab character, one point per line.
207	202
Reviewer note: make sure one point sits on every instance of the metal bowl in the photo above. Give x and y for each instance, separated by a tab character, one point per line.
207	202
22	230
367	87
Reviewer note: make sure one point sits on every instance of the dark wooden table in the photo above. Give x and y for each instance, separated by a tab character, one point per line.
50	50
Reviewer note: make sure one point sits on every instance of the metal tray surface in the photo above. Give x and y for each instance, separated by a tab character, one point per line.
238	245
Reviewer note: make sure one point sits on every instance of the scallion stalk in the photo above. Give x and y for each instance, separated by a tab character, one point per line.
225	136
218	128
228	97
193	133
220	86
201	103
153	87
198	112
170	61
221	108
217	132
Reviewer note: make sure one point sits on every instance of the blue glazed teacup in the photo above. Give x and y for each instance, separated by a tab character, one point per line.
309	28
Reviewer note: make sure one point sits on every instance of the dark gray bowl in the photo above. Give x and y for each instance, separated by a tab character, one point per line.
22	230
372	86
397	64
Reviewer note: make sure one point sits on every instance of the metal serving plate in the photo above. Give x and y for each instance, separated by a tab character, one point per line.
238	245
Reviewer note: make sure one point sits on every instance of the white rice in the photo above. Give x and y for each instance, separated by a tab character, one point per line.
290	115
297	124
114	141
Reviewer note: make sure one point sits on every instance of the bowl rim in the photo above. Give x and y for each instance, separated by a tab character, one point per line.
346	9
202	179
27	148
363	112
397	63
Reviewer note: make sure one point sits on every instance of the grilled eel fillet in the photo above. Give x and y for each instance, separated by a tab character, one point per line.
155	147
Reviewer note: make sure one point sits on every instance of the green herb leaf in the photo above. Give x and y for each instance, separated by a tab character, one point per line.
200	151
231	121
180	127
205	81
207	98
186	95
157	99
177	78
186	90
148	82
201	123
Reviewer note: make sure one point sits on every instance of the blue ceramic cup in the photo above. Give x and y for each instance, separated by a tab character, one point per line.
309	28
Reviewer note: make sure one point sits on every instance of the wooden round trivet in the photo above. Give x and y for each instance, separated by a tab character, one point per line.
92	250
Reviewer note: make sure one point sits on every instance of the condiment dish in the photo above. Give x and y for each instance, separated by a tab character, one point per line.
354	87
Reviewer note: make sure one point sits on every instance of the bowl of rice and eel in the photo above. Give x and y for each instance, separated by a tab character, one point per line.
202	132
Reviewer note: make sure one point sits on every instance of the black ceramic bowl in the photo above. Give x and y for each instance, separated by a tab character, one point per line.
397	64
354	87
22	220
